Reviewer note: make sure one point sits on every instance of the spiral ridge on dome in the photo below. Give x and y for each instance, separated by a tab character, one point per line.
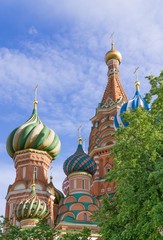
79	162
31	207
33	134
137	101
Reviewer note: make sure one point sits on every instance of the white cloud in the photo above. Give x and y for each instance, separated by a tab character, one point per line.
69	66
32	30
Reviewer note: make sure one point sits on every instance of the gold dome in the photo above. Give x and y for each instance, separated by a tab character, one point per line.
113	54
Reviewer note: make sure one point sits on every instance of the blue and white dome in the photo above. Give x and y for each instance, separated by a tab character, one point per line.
137	101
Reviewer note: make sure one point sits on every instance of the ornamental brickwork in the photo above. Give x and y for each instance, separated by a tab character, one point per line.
101	138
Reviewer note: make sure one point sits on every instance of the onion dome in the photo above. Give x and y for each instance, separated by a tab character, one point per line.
66	186
57	193
79	162
137	101
113	54
31	208
33	134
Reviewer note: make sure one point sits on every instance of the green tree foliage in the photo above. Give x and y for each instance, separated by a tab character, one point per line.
136	210
42	231
83	235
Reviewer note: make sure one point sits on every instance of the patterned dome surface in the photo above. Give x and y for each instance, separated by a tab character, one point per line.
132	104
33	134
66	186
31	207
79	162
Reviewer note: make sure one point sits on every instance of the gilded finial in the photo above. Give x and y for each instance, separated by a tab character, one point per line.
137	82
112	43
80	139
35	101
84	144
51	178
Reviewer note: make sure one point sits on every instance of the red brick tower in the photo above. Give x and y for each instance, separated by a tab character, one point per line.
101	139
33	146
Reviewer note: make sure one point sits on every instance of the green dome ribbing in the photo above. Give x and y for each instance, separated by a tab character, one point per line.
33	134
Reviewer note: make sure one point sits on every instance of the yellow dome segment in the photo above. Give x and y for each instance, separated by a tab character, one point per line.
113	54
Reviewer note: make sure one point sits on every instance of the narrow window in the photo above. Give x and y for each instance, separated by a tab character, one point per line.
35	172
11	209
85	217
24	172
83	184
75	184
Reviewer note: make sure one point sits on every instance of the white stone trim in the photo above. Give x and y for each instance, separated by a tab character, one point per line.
32	164
31	158
25	191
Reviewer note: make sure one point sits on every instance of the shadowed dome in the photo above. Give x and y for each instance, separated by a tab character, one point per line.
79	162
33	134
57	193
31	208
113	54
137	101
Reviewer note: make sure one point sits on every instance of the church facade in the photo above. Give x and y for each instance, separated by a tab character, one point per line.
33	146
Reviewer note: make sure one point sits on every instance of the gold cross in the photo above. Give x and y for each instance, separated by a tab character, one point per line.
111	37
51	170
79	128
36	92
135	72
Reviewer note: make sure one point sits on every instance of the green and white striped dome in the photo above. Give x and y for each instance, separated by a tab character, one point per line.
33	134
31	207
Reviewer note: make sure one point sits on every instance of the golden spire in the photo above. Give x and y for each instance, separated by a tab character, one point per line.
33	182
35	101
84	144
112	43
51	178
137	82
80	139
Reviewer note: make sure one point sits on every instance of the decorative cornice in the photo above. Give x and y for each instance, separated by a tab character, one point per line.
80	173
100	149
116	106
32	151
25	191
29	220
66	223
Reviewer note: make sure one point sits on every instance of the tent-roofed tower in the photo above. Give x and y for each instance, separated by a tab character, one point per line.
101	139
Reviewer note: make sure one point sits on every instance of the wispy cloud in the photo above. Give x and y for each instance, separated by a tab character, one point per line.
63	51
32	30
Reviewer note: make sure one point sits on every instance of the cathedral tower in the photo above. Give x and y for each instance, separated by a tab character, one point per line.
101	137
76	209
33	146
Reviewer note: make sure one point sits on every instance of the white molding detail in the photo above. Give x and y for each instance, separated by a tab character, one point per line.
25	191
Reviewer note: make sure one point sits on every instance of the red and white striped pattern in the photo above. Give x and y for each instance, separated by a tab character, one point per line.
65	186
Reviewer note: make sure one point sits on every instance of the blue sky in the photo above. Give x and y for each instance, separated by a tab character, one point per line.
61	46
